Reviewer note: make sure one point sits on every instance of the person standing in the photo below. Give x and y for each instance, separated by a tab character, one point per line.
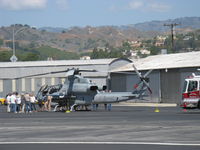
27	103
23	101
32	102
41	105
8	101
49	99
18	103
13	102
45	107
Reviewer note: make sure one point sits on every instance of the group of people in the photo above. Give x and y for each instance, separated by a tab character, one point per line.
26	103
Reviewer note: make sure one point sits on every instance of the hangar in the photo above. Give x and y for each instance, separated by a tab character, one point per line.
19	69
167	78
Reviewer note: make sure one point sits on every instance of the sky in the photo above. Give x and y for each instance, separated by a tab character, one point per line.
68	13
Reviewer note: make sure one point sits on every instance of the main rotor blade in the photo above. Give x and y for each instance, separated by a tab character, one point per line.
138	73
147	85
87	70
70	72
147	73
75	71
34	75
123	72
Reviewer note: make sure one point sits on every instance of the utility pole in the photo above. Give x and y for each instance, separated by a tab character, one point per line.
172	25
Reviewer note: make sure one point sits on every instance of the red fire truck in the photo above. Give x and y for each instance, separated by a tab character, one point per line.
191	92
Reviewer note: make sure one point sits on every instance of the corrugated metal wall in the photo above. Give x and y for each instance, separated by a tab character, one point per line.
170	86
154	83
118	82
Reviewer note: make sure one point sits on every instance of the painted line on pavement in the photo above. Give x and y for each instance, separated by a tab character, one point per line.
126	143
145	104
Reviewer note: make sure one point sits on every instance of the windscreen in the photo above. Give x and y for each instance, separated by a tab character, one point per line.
193	86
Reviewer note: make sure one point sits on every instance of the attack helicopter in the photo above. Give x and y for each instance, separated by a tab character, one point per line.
80	91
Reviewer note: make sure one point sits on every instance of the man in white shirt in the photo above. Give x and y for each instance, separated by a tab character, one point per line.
8	102
13	103
32	101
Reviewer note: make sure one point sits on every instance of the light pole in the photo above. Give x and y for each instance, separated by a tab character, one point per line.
13	58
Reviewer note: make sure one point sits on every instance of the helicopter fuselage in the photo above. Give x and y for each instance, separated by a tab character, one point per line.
78	90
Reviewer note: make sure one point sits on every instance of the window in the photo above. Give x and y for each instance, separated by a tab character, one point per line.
43	81
52	81
62	80
32	84
193	86
13	85
23	84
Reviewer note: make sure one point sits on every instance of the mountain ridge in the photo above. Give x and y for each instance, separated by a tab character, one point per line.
154	25
81	39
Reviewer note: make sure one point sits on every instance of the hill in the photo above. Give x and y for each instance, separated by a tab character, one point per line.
74	39
185	22
83	39
156	25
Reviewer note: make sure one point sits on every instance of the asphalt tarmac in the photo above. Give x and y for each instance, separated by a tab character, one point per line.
122	128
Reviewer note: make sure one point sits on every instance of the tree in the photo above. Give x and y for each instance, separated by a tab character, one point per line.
1	42
154	50
10	44
32	45
5	56
30	57
94	54
126	46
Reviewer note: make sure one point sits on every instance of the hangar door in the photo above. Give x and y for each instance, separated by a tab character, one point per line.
170	86
118	82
